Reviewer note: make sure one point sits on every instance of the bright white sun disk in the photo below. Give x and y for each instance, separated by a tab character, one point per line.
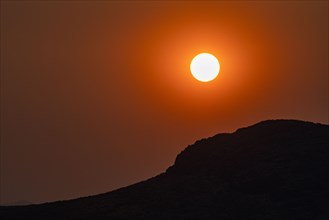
205	67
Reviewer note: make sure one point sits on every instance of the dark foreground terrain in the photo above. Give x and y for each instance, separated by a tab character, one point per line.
274	170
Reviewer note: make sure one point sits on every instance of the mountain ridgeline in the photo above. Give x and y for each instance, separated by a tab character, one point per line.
276	169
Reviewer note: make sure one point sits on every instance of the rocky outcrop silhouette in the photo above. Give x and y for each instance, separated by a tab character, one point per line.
276	169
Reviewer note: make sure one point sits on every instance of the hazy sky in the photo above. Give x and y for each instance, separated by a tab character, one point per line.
98	95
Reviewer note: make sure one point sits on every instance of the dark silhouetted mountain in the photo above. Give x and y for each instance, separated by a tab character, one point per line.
273	170
17	203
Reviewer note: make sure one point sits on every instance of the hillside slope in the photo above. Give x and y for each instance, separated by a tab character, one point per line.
276	169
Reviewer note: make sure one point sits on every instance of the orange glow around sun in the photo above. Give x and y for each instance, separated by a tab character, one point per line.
166	62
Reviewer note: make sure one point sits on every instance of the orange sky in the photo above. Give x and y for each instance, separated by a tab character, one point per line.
98	95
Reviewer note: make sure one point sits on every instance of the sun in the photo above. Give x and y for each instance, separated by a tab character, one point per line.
205	67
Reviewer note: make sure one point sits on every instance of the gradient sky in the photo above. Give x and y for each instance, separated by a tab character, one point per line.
98	95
